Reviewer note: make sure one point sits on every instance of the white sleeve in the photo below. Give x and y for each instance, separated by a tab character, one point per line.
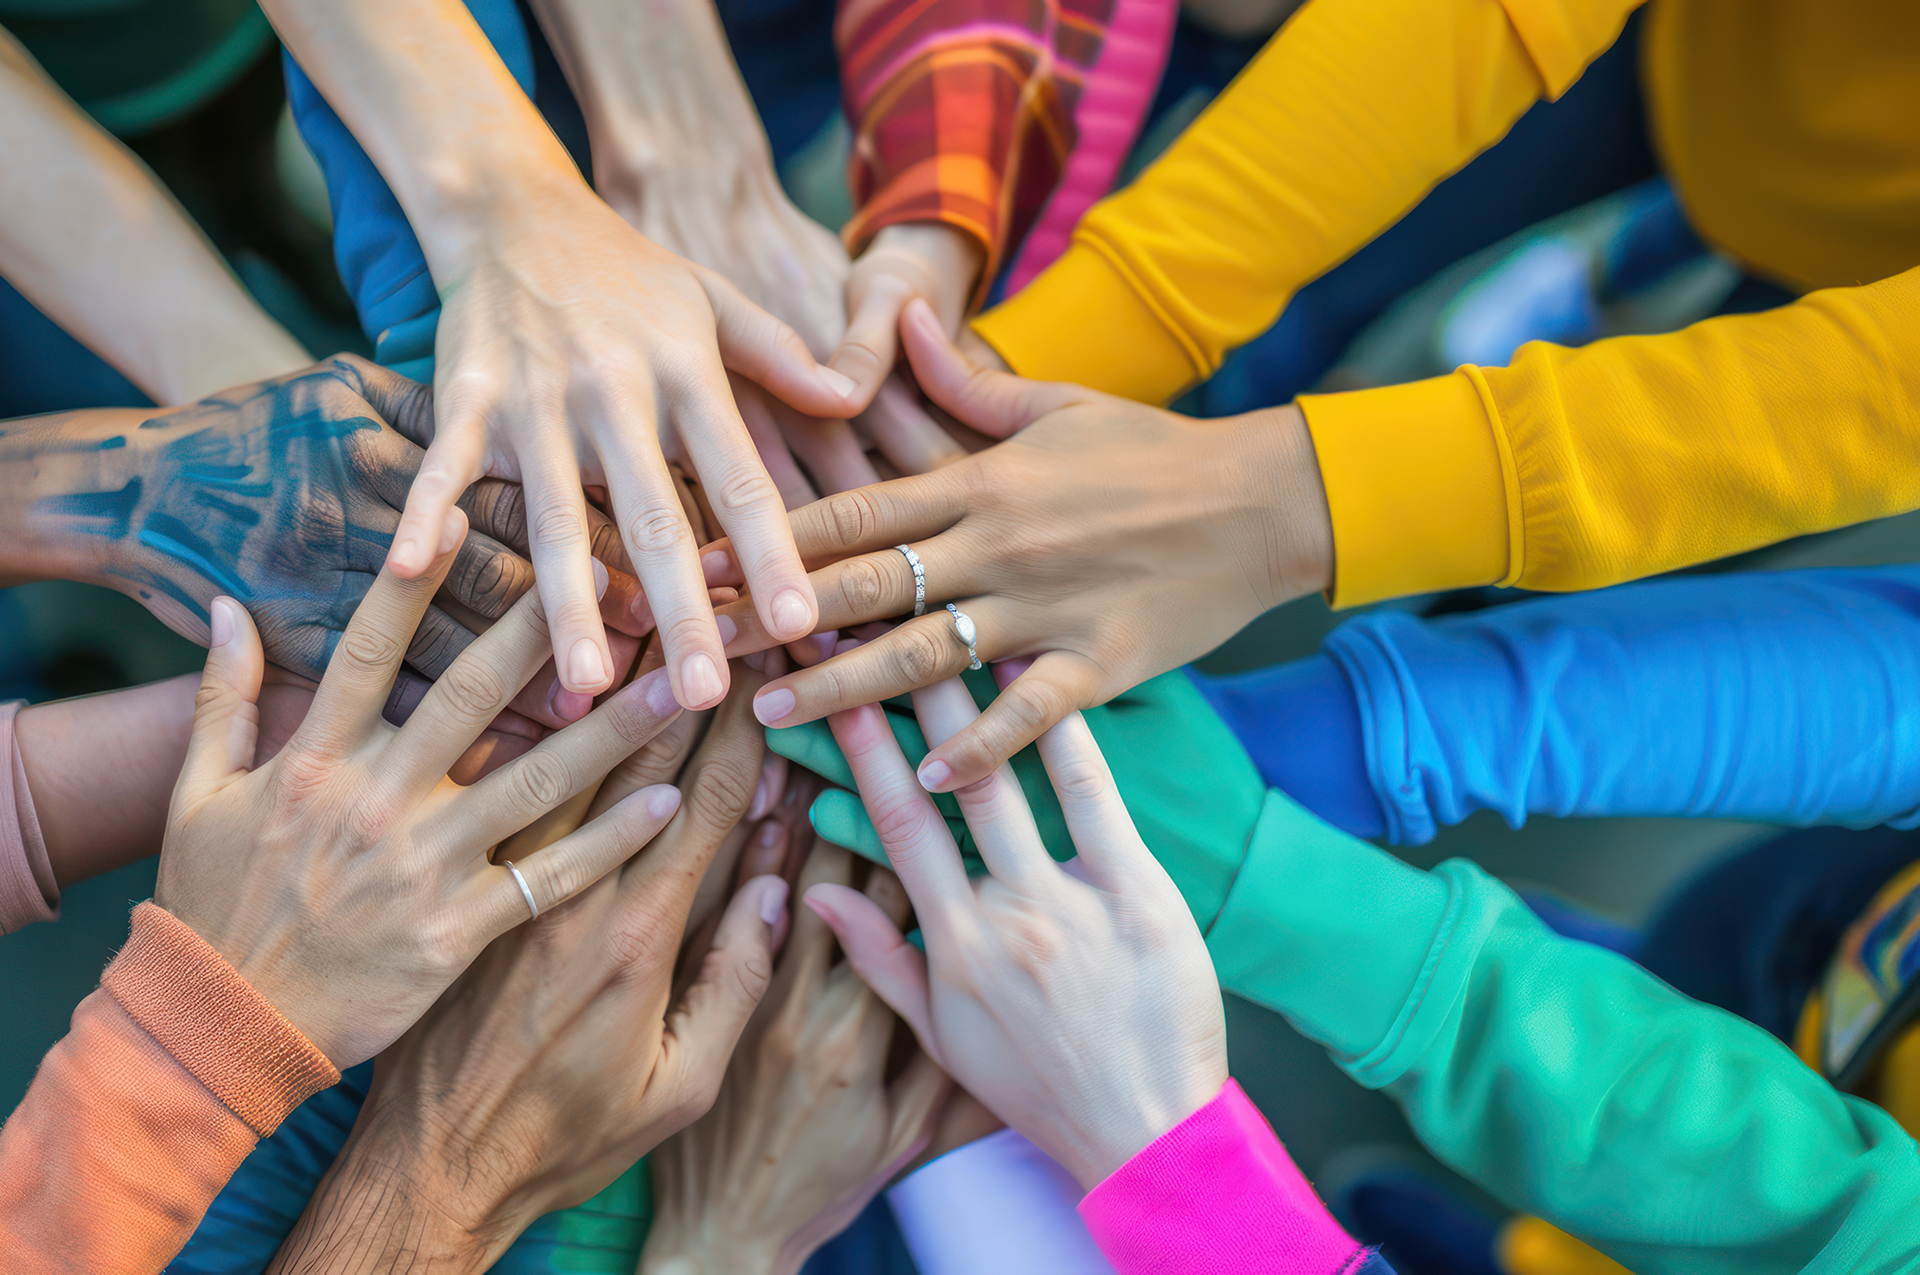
998	1204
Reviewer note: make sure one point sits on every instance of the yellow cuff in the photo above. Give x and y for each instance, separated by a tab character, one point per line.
1081	321
1418	485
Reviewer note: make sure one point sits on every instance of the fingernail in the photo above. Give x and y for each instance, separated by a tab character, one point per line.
220	621
933	774
757	661
588	666
404	553
715	563
657	688
769	834
568	706
844	645
728	629
773	900
600	578
839	382
762	798
774	706
791	615
662	802
700	677
823	644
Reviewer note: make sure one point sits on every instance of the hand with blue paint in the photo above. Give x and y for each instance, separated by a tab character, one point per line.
284	494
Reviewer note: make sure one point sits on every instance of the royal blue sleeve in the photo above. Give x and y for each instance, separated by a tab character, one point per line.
1783	697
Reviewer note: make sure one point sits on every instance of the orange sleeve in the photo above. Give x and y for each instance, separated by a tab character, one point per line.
173	1069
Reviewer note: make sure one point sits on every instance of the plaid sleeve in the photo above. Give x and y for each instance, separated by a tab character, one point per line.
962	111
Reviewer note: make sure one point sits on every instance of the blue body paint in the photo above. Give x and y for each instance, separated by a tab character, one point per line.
97	513
166	534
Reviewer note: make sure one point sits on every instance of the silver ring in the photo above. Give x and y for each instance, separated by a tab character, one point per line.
963	628
525	892
919	579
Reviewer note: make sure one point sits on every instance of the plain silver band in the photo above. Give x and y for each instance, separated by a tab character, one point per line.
958	615
525	892
919	579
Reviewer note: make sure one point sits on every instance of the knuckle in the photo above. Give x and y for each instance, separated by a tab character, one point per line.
657	530
901	819
472	691
753	974
542	781
863	586
722	791
372	814
851	517
559	525
744	490
368	646
922	653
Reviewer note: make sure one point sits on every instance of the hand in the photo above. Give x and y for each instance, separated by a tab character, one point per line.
347	878
555	1062
572	350
282	494
1077	1002
806	1129
1110	540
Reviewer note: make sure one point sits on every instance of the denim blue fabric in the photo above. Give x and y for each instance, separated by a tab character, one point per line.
1787	697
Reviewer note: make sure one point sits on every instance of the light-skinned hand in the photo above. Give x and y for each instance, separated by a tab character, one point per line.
807	1127
1077	1002
1110	540
562	1055
347	878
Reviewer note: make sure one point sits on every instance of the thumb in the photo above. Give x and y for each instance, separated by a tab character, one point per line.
226	718
868	350
733	977
767	351
895	969
995	403
400	401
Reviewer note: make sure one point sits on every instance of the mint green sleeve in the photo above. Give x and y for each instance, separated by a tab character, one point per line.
1568	1081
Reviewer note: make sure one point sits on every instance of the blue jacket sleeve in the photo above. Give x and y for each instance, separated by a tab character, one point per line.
1783	697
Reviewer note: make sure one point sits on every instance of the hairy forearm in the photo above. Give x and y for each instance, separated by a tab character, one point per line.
101	770
91	238
459	141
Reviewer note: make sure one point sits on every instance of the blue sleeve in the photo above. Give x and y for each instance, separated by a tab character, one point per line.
1783	697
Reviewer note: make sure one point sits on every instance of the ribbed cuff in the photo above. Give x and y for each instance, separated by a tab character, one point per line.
1081	320
28	892
223	1032
1421	490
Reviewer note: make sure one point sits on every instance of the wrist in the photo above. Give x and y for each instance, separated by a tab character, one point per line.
950	257
1273	467
67	485
670	1250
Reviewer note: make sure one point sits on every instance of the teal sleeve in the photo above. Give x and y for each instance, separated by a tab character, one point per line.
1565	1079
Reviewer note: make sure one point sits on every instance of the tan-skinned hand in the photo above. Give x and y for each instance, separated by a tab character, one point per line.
807	1128
347	878
1109	540
1077	1002
562	1055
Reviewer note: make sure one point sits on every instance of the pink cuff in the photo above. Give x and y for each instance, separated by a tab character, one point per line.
28	892
1217	1195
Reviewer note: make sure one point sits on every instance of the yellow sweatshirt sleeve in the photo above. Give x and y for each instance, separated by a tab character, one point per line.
1346	119
1574	469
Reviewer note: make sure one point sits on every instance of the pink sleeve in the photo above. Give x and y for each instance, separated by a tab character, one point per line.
173	1069
1217	1195
28	892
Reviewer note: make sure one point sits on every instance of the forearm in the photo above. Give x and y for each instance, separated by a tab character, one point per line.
102	769
92	239
69	482
423	91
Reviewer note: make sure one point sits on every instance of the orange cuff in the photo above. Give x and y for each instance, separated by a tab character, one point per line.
1082	320
1420	483
224	1033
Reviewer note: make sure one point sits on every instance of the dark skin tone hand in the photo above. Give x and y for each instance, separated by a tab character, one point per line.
284	494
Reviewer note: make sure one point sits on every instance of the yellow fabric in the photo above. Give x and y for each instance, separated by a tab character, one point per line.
1792	128
1531	1246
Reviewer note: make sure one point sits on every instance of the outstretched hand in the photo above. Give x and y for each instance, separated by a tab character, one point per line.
1077	1002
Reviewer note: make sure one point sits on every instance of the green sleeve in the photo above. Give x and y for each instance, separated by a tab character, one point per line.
1571	1083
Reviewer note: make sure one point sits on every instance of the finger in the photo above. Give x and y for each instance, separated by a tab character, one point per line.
402	402
771	445
487	577
831	451
748	507
226	719
871	346
995	809
437	643
867	588
562	765
359	676
905	434
995	403
884	888
1110	849
646	502
1058	683
705	1025
895	969
772	782
763	349
449	467
910	828
563	565
904	511
766	851
916	653
572	863
917	1096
